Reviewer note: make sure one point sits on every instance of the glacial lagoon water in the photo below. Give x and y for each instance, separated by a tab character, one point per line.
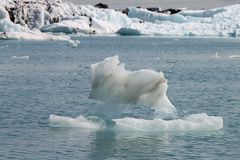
38	79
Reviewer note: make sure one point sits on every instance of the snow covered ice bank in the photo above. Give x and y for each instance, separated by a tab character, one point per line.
9	30
223	21
56	16
16	22
110	81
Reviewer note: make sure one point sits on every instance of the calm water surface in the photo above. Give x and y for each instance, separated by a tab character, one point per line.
42	78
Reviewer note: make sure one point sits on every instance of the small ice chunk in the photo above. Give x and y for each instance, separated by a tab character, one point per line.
78	122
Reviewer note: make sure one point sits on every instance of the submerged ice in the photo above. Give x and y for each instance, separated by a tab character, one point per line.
112	83
80	122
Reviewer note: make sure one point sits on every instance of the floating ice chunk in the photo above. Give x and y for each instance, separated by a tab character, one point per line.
80	122
234	56
194	122
110	81
74	43
216	55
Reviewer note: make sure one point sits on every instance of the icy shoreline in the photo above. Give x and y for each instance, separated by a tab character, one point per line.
28	19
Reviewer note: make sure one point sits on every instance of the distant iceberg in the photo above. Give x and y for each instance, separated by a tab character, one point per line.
223	21
55	16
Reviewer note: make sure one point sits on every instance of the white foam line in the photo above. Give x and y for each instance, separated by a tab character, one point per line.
20	57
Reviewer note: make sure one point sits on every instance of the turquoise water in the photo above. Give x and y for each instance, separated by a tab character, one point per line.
42	78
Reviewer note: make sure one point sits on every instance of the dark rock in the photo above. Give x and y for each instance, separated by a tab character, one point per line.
11	14
154	9
171	11
125	11
101	5
90	22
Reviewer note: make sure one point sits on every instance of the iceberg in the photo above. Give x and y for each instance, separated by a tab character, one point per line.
111	82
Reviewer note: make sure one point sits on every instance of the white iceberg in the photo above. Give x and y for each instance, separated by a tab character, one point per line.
110	81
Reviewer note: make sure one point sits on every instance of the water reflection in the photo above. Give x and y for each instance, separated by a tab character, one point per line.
111	144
